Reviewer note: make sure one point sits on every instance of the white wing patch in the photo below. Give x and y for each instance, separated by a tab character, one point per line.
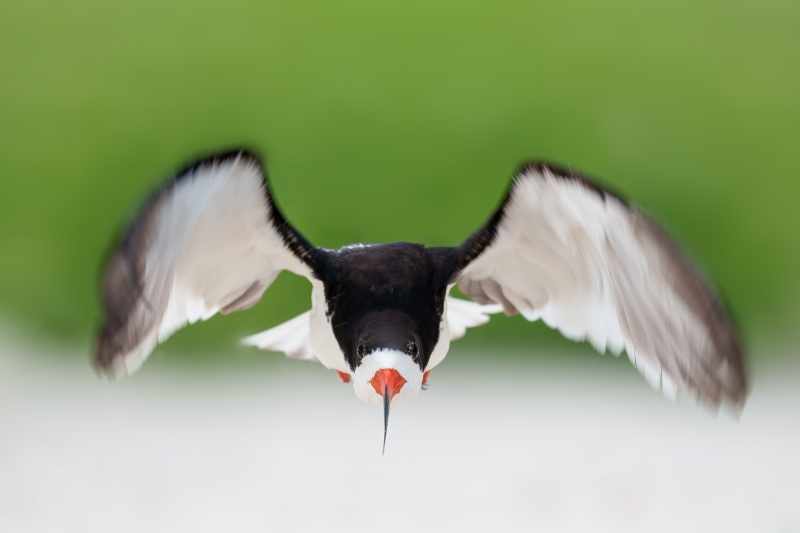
463	314
293	338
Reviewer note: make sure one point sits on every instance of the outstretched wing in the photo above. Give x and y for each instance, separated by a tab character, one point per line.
209	241
563	250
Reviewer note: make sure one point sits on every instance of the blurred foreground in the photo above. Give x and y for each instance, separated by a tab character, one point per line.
265	444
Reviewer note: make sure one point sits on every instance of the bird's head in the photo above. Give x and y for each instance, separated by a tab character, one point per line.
387	354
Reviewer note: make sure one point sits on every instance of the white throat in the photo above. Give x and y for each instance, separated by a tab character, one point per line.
387	359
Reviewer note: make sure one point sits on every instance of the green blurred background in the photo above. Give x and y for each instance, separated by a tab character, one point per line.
384	121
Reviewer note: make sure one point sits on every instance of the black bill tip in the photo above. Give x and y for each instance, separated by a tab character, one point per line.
385	416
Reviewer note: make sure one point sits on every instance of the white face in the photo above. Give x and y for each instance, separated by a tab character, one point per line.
381	359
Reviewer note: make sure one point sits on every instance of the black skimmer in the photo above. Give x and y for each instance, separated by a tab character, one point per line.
559	249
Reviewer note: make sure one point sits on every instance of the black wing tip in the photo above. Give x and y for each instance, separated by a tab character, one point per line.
714	309
541	167
734	363
739	387
105	353
121	294
730	378
732	393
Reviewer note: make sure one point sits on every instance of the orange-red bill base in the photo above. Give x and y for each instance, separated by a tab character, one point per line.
387	379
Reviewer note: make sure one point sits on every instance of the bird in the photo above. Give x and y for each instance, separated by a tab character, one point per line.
559	248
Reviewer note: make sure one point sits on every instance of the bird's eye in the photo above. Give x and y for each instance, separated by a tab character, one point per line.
361	350
411	349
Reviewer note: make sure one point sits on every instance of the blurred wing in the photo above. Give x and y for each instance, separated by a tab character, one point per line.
210	241
563	250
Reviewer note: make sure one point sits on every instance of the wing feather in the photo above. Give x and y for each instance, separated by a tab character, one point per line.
463	314
292	337
209	241
563	250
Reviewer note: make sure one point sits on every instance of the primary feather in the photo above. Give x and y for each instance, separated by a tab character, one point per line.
210	241
563	250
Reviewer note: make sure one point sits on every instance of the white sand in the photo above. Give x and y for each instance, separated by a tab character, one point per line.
277	445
